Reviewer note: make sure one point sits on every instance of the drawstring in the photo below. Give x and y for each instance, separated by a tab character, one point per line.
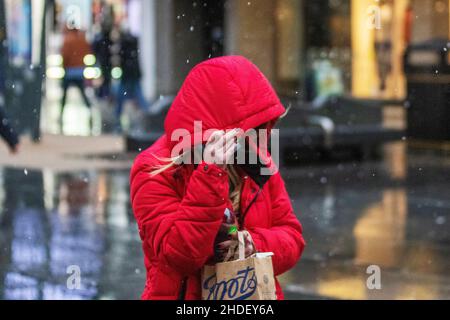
242	216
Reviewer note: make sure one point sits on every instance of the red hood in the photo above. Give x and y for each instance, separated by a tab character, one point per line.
224	93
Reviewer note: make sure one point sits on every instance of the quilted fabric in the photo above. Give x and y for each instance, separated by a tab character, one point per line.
179	212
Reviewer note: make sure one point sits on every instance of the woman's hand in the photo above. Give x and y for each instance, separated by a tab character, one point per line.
223	247
221	147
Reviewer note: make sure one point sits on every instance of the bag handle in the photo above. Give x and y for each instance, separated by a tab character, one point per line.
239	245
231	251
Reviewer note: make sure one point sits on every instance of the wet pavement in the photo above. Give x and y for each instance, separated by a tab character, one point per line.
394	214
50	222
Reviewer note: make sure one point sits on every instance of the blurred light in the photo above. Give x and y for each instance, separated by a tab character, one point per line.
386	12
117	73
440	6
89	60
55	60
55	73
92	73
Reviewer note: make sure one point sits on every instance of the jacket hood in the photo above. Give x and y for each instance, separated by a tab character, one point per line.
223	93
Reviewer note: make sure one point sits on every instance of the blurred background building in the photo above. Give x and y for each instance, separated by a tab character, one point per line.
307	49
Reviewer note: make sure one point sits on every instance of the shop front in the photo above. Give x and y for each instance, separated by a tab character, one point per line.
351	47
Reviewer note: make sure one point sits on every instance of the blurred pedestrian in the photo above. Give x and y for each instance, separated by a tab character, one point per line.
74	50
102	49
130	83
8	133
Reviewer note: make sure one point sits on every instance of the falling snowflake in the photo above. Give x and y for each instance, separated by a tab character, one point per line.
440	220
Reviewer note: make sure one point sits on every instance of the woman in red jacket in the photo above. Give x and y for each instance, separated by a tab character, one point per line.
180	207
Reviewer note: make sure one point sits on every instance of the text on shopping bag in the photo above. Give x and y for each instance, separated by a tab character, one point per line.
241	287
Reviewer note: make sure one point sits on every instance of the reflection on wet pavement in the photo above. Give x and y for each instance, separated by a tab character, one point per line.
391	215
50	222
394	214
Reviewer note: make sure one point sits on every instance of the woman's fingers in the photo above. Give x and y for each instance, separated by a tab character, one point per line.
225	245
231	146
227	141
215	136
229	156
221	147
249	248
211	151
220	138
249	251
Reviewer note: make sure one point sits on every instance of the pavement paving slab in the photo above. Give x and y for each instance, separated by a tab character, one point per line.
67	153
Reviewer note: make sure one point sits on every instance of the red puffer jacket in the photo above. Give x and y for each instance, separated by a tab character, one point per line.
179	212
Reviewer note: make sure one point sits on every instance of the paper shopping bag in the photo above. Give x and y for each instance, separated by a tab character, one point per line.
242	279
